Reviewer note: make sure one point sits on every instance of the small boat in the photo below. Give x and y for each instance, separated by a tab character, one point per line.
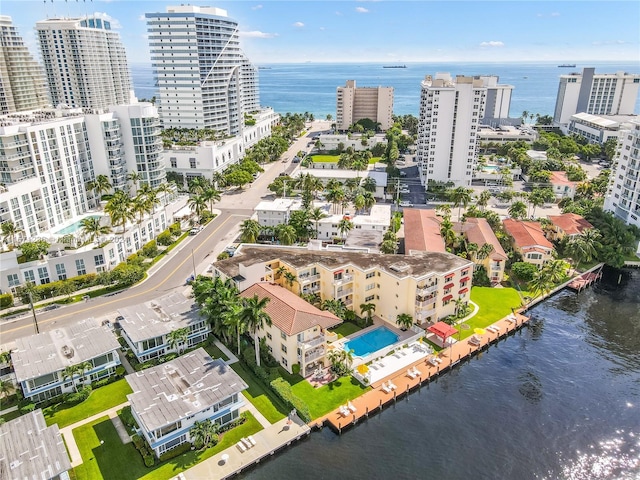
525	77
567	65
394	66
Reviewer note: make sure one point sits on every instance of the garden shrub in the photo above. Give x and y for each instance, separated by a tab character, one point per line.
174	452
223	256
6	300
79	396
149	460
150	249
126	274
480	277
134	259
282	388
28	407
235	423
249	357
165	239
175	229
524	271
120	371
295	368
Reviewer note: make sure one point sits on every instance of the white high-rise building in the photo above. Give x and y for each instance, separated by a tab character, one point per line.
22	83
595	93
450	113
356	103
623	197
203	77
85	63
498	99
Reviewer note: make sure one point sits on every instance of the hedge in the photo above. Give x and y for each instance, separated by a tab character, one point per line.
165	238
150	249
174	452
6	300
282	388
175	228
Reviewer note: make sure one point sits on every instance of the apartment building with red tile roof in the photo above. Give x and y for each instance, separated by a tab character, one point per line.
567	224
528	239
422	231
478	231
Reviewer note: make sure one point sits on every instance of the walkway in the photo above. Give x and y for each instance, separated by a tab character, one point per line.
226	351
67	432
249	407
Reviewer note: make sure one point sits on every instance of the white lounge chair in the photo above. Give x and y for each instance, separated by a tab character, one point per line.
351	407
252	440
385	388
246	442
344	411
416	372
392	386
241	446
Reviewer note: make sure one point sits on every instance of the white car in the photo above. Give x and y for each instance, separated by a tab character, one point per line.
406	204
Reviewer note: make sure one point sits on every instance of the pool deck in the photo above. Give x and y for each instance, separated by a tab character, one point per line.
376	399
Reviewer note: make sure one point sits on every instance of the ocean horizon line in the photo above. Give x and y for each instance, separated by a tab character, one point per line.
423	62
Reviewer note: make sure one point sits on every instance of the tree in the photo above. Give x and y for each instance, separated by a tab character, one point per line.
232	318
483	199
286	234
249	231
525	115
197	204
315	216
6	387
344	227
34	250
584	247
337	307
177	339
461	197
484	251
341	361
524	271
404	321
541	283
65	288
369	184
447	232
100	185
518	210
92	228
204	434
119	209
290	278
254	317
555	270
238	178
368	309
9	231
134	177
609	148
389	246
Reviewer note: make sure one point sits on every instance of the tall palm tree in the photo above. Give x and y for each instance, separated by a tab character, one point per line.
119	209
286	234
369	184
165	190
211	195
518	210
344	227
485	251
447	232
541	283
290	278
92	228
337	307
134	177
9	231
461	197
483	199
369	201
583	247
197	204
368	309
389	246
178	338
250	231
232	317
358	202
198	185
555	270
315	215
255	318
100	185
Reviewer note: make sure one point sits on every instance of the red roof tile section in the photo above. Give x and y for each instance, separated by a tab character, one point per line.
422	231
526	234
560	178
478	231
290	313
570	223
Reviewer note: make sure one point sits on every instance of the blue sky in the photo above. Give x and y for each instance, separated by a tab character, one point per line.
386	31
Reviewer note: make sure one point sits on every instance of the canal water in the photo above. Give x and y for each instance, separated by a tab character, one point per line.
559	400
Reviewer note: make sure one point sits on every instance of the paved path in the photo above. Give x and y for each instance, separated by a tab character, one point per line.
9	410
254	411
67	432
226	351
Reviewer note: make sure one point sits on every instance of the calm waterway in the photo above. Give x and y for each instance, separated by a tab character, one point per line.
559	400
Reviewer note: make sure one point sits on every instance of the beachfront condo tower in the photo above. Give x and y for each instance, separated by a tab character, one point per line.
595	93
203	77
85	63
22	83
357	103
450	113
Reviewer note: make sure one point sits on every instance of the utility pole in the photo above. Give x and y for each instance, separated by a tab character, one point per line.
33	312
193	261
284	190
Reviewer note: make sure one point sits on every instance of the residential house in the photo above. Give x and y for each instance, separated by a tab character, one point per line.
529	241
168	399
422	231
147	328
478	231
40	360
298	333
562	187
567	225
425	285
31	450
327	171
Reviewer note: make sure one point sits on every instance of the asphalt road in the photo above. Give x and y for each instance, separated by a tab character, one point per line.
194	253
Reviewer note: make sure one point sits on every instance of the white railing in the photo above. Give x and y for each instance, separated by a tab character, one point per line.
314	342
343	280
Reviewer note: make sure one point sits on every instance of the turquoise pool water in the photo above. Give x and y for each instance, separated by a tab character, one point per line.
371	342
490	168
74	227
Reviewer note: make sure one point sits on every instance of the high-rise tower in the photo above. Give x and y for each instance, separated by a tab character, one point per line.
22	83
85	62
204	78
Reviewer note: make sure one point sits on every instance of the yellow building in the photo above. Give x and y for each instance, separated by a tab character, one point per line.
478	231
425	285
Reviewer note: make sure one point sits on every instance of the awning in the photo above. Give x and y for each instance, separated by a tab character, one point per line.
448	286
464	290
442	330
464	279
447	298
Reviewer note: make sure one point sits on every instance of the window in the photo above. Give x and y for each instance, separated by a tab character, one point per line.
99	260
283	347
283	335
43	274
80	267
371	286
370	275
29	276
284	361
61	271
192	163
269	336
369	298
13	279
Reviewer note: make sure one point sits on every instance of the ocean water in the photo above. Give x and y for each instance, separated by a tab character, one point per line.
311	87
560	400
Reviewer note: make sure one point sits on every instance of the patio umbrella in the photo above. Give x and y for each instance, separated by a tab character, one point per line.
479	331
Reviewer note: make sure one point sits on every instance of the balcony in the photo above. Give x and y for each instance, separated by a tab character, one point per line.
308	278
314	342
344	292
311	289
312	355
343	280
426	290
424	314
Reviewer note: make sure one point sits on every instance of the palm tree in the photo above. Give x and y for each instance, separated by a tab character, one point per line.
177	339
461	197
249	231
255	318
203	434
358	202
232	318
9	231
369	201
389	246
404	321
584	247
286	234
290	278
119	209
100	185
483	199
316	215
368	308
555	270
211	195
525	115
341	361
337	307
541	283
485	251
140	206
6	387
165	189
198	185
369	184
472	249
344	227
134	177
447	232
518	210
198	204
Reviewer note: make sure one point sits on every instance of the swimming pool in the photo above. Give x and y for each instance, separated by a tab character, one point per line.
371	342
490	168
74	227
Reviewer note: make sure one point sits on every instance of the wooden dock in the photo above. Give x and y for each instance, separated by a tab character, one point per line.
585	280
375	400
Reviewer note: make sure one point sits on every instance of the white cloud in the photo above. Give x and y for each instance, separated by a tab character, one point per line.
322	28
492	43
142	18
361	10
257	7
115	24
339	14
555	14
298	24
257	34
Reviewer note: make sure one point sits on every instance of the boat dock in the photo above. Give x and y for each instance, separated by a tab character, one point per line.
424	371
585	280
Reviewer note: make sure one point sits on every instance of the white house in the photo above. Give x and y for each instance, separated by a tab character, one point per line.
168	399
358	142
326	172
40	360
146	327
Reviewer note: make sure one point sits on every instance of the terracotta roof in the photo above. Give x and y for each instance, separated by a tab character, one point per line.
560	178
422	231
526	234
570	223
290	313
478	231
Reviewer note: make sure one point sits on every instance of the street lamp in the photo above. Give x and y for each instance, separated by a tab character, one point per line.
33	312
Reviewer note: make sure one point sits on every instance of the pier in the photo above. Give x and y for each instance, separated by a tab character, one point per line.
377	399
585	280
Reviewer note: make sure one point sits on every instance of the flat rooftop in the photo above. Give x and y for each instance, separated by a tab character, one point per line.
418	265
52	351
180	388
158	317
31	450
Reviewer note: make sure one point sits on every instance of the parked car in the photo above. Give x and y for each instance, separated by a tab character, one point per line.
195	230
406	204
190	280
403	174
295	160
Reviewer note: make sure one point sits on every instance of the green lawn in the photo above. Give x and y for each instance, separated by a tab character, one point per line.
263	399
345	329
100	399
494	303
215	352
324	399
113	460
335	158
